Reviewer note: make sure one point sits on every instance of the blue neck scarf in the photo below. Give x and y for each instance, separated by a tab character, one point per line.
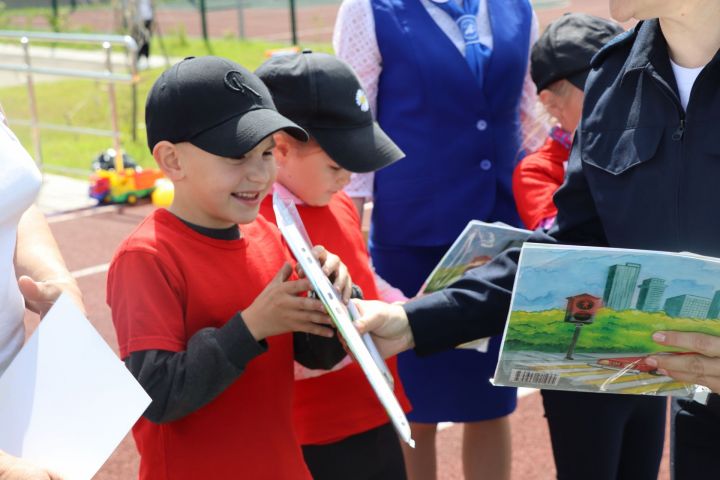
476	53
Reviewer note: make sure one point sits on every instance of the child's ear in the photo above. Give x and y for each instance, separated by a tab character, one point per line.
168	159
282	147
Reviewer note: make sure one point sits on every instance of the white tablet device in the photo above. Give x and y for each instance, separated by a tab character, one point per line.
362	347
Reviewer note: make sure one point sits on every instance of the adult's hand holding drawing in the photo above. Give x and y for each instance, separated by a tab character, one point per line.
387	323
12	468
278	309
41	295
702	367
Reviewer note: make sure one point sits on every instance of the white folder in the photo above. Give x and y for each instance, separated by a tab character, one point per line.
361	347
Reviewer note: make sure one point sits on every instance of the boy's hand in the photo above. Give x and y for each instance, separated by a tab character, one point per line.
41	295
278	309
335	270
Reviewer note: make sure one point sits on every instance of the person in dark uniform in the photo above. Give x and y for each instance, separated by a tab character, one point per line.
644	158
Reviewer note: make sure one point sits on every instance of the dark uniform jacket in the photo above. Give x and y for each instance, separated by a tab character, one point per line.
643	173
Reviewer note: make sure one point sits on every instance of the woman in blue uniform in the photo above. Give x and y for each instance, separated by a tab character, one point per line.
445	80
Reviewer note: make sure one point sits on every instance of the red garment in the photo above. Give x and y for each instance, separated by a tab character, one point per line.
165	283
535	180
341	403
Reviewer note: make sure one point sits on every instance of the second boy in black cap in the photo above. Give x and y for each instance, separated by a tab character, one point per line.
342	426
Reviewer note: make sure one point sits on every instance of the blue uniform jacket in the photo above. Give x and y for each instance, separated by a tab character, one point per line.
643	173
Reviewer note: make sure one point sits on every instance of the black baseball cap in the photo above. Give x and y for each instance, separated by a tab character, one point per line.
215	104
567	45
321	93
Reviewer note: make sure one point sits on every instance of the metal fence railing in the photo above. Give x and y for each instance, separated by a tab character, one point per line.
271	20
106	74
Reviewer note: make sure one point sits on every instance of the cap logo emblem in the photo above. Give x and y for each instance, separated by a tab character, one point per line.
234	81
362	100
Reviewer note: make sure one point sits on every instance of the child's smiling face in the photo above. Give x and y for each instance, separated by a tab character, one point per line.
307	171
218	192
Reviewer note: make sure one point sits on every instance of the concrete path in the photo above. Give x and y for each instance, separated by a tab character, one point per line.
60	194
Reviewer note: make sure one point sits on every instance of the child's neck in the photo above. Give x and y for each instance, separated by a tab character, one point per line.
229	233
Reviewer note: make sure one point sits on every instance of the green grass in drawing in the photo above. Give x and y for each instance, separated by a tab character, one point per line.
443	277
627	331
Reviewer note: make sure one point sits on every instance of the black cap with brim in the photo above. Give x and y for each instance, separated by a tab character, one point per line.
579	79
359	150
567	46
240	134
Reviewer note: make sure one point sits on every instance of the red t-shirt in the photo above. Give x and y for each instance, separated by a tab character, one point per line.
165	283
536	179
341	403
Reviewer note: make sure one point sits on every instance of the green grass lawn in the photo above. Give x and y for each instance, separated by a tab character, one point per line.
85	103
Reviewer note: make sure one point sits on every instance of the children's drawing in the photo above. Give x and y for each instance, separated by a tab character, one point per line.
478	243
582	318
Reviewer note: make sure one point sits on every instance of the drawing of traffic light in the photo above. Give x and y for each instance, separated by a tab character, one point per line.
580	311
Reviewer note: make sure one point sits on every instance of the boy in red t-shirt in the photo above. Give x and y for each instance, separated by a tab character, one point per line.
559	65
201	307
343	428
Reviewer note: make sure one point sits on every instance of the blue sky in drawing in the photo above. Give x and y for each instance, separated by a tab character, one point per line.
549	275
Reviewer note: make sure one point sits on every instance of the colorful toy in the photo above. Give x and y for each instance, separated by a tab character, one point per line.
274	52
123	183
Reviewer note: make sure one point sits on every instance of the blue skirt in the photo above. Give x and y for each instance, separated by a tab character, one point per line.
450	386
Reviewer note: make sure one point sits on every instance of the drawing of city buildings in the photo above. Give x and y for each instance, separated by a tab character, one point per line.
651	293
621	284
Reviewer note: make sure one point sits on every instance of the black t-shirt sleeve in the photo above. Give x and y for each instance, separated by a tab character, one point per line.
180	383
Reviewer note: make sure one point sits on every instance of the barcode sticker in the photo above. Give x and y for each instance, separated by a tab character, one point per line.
536	378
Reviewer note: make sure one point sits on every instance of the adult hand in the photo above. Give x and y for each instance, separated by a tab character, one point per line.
41	295
12	468
278	309
701	367
387	323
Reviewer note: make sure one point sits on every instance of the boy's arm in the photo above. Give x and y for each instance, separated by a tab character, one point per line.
534	182
180	383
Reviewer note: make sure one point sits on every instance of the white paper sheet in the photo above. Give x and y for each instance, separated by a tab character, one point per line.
66	400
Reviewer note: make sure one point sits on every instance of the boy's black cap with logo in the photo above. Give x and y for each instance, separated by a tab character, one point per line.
322	94
215	104
567	45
